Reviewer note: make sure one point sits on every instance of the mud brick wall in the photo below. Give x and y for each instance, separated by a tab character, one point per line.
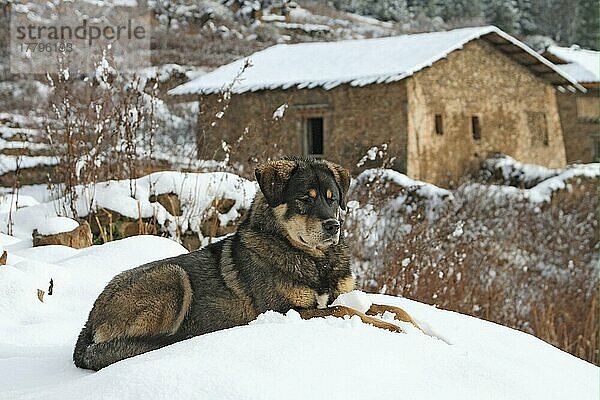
581	134
355	119
478	81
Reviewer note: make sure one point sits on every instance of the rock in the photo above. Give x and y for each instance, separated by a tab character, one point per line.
108	225
223	206
170	201
3	258
78	238
103	219
191	241
211	226
132	228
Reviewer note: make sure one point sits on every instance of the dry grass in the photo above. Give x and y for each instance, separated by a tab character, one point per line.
533	269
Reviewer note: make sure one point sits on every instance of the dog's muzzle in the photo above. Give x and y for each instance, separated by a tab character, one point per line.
331	227
331	230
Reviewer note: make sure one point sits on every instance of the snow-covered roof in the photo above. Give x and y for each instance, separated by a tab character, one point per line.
357	62
581	64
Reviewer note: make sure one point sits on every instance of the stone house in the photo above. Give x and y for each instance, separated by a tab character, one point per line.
440	102
579	112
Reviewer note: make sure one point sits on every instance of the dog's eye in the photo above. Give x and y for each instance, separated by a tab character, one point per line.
306	199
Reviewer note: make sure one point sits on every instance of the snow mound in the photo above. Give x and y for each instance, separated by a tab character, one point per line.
8	201
354	299
276	356
54	225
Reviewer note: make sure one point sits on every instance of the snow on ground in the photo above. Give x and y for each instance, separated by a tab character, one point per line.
162	73
277	356
22	144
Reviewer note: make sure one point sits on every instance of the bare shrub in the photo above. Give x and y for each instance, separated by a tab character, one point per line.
528	266
104	130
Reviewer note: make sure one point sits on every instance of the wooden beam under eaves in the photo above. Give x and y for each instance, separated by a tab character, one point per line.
508	48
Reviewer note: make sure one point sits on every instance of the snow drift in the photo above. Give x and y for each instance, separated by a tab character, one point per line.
277	356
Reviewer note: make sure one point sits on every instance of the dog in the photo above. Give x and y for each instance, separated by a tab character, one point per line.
287	253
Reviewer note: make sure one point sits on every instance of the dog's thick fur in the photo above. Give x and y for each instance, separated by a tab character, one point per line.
283	256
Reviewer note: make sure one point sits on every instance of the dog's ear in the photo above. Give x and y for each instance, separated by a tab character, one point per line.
272	178
342	177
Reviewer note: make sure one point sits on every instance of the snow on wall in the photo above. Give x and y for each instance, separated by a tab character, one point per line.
329	64
10	163
196	191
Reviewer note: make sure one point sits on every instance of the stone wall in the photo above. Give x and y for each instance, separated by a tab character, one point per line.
580	131
508	100
355	119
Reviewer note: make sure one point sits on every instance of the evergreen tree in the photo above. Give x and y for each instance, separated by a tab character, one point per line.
503	14
527	25
387	10
460	10
427	8
587	31
565	22
556	19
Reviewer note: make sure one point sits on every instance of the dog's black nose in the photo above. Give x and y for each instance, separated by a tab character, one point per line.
331	226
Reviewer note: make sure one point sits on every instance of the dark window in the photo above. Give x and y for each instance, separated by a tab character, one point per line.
476	127
439	125
314	135
536	122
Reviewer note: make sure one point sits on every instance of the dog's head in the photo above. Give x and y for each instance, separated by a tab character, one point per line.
306	196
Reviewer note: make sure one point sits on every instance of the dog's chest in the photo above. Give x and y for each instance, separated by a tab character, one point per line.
315	290
326	277
325	286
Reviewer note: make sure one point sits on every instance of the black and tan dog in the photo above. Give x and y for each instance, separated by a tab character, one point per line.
286	254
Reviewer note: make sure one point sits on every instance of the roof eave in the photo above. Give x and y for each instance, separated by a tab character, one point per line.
566	79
